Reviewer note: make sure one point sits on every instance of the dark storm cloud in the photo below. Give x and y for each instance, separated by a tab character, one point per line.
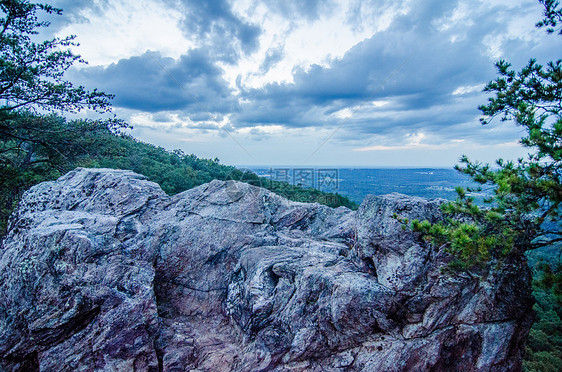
152	83
214	23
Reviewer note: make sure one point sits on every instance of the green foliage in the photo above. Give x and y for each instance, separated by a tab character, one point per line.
544	346
474	236
31	73
526	194
34	148
41	148
552	16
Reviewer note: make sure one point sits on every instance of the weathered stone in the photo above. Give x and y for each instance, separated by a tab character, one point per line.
102	271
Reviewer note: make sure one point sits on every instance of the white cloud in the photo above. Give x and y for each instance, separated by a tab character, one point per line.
413	141
305	42
346	113
467	89
460	17
340	109
127	28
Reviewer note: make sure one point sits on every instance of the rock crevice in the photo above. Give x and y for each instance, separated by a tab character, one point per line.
101	270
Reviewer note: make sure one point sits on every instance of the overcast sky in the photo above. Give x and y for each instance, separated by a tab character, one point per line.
308	82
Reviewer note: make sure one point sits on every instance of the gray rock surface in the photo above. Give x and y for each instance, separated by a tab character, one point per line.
102	271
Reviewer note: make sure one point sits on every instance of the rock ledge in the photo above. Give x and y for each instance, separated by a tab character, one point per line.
101	270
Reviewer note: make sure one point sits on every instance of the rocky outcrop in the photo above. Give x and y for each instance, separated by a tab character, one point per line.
103	271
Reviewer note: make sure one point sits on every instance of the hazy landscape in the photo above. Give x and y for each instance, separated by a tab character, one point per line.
356	183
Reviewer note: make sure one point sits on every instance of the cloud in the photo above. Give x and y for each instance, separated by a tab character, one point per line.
209	24
431	75
151	83
110	31
213	23
402	69
272	57
72	13
308	9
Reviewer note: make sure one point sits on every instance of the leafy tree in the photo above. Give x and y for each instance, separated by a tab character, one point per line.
40	148
552	16
523	214
544	346
34	147
31	73
524	211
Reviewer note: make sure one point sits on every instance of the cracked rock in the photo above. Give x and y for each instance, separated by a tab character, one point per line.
102	271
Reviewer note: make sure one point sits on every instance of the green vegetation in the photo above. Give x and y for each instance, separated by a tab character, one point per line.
38	147
523	213
544	346
42	148
31	73
34	147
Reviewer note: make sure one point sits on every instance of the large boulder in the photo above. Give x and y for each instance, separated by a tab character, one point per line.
101	270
